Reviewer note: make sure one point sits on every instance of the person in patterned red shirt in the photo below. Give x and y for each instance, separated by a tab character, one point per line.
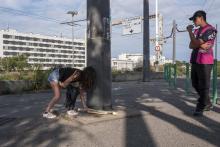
201	42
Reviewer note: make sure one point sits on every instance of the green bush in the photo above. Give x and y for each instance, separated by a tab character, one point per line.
15	63
40	78
10	76
10	70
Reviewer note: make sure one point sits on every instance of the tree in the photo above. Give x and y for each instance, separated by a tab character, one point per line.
21	63
15	63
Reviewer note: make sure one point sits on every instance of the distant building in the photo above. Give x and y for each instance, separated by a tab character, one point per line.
137	59
133	57
45	50
127	62
168	61
132	61
122	65
162	60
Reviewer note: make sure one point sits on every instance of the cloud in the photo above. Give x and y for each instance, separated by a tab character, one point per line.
15	3
56	9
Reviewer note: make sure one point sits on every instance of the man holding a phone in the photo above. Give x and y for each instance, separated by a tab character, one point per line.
201	43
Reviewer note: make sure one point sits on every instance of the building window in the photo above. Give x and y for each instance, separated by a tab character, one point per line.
6	42
10	53
7	36
35	39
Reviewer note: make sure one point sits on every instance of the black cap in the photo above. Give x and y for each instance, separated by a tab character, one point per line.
198	14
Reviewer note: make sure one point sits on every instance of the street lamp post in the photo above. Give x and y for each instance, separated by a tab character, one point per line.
73	13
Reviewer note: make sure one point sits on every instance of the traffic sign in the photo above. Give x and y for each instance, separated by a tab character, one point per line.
157	48
132	26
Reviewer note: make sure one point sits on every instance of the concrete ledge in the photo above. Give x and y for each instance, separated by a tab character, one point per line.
135	76
12	87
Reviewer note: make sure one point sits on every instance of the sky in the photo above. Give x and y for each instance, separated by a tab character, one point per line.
44	17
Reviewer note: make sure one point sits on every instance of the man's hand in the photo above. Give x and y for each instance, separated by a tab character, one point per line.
189	28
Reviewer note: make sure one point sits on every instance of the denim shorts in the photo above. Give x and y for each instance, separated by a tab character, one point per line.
54	76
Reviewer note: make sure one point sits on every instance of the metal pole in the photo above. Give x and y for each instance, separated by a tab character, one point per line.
174	41
164	72
99	53
157	38
86	47
174	75
157	35
167	73
170	72
146	43
216	44
72	13
174	54
73	47
215	76
160	29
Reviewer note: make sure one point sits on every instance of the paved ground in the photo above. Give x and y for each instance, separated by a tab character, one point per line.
149	115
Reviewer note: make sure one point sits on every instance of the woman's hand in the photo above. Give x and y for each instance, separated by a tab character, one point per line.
72	78
82	97
85	109
75	75
62	84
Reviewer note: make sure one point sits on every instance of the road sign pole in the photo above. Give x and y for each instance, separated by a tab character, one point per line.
174	54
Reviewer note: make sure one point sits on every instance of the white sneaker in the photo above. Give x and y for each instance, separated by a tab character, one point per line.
49	115
72	113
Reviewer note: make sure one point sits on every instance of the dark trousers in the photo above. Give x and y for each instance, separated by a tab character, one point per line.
200	76
71	96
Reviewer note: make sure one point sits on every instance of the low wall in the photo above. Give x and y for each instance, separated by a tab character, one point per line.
135	76
9	87
12	87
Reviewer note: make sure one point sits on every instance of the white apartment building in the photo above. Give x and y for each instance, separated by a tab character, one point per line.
127	62
162	60
45	50
136	58
122	65
132	61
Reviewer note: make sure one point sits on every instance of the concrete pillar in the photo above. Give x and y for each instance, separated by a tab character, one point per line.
99	53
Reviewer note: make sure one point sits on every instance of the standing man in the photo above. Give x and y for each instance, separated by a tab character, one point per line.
201	43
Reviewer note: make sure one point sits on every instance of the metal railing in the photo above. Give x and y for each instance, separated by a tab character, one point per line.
170	76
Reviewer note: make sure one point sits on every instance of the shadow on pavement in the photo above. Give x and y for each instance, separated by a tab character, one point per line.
174	98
